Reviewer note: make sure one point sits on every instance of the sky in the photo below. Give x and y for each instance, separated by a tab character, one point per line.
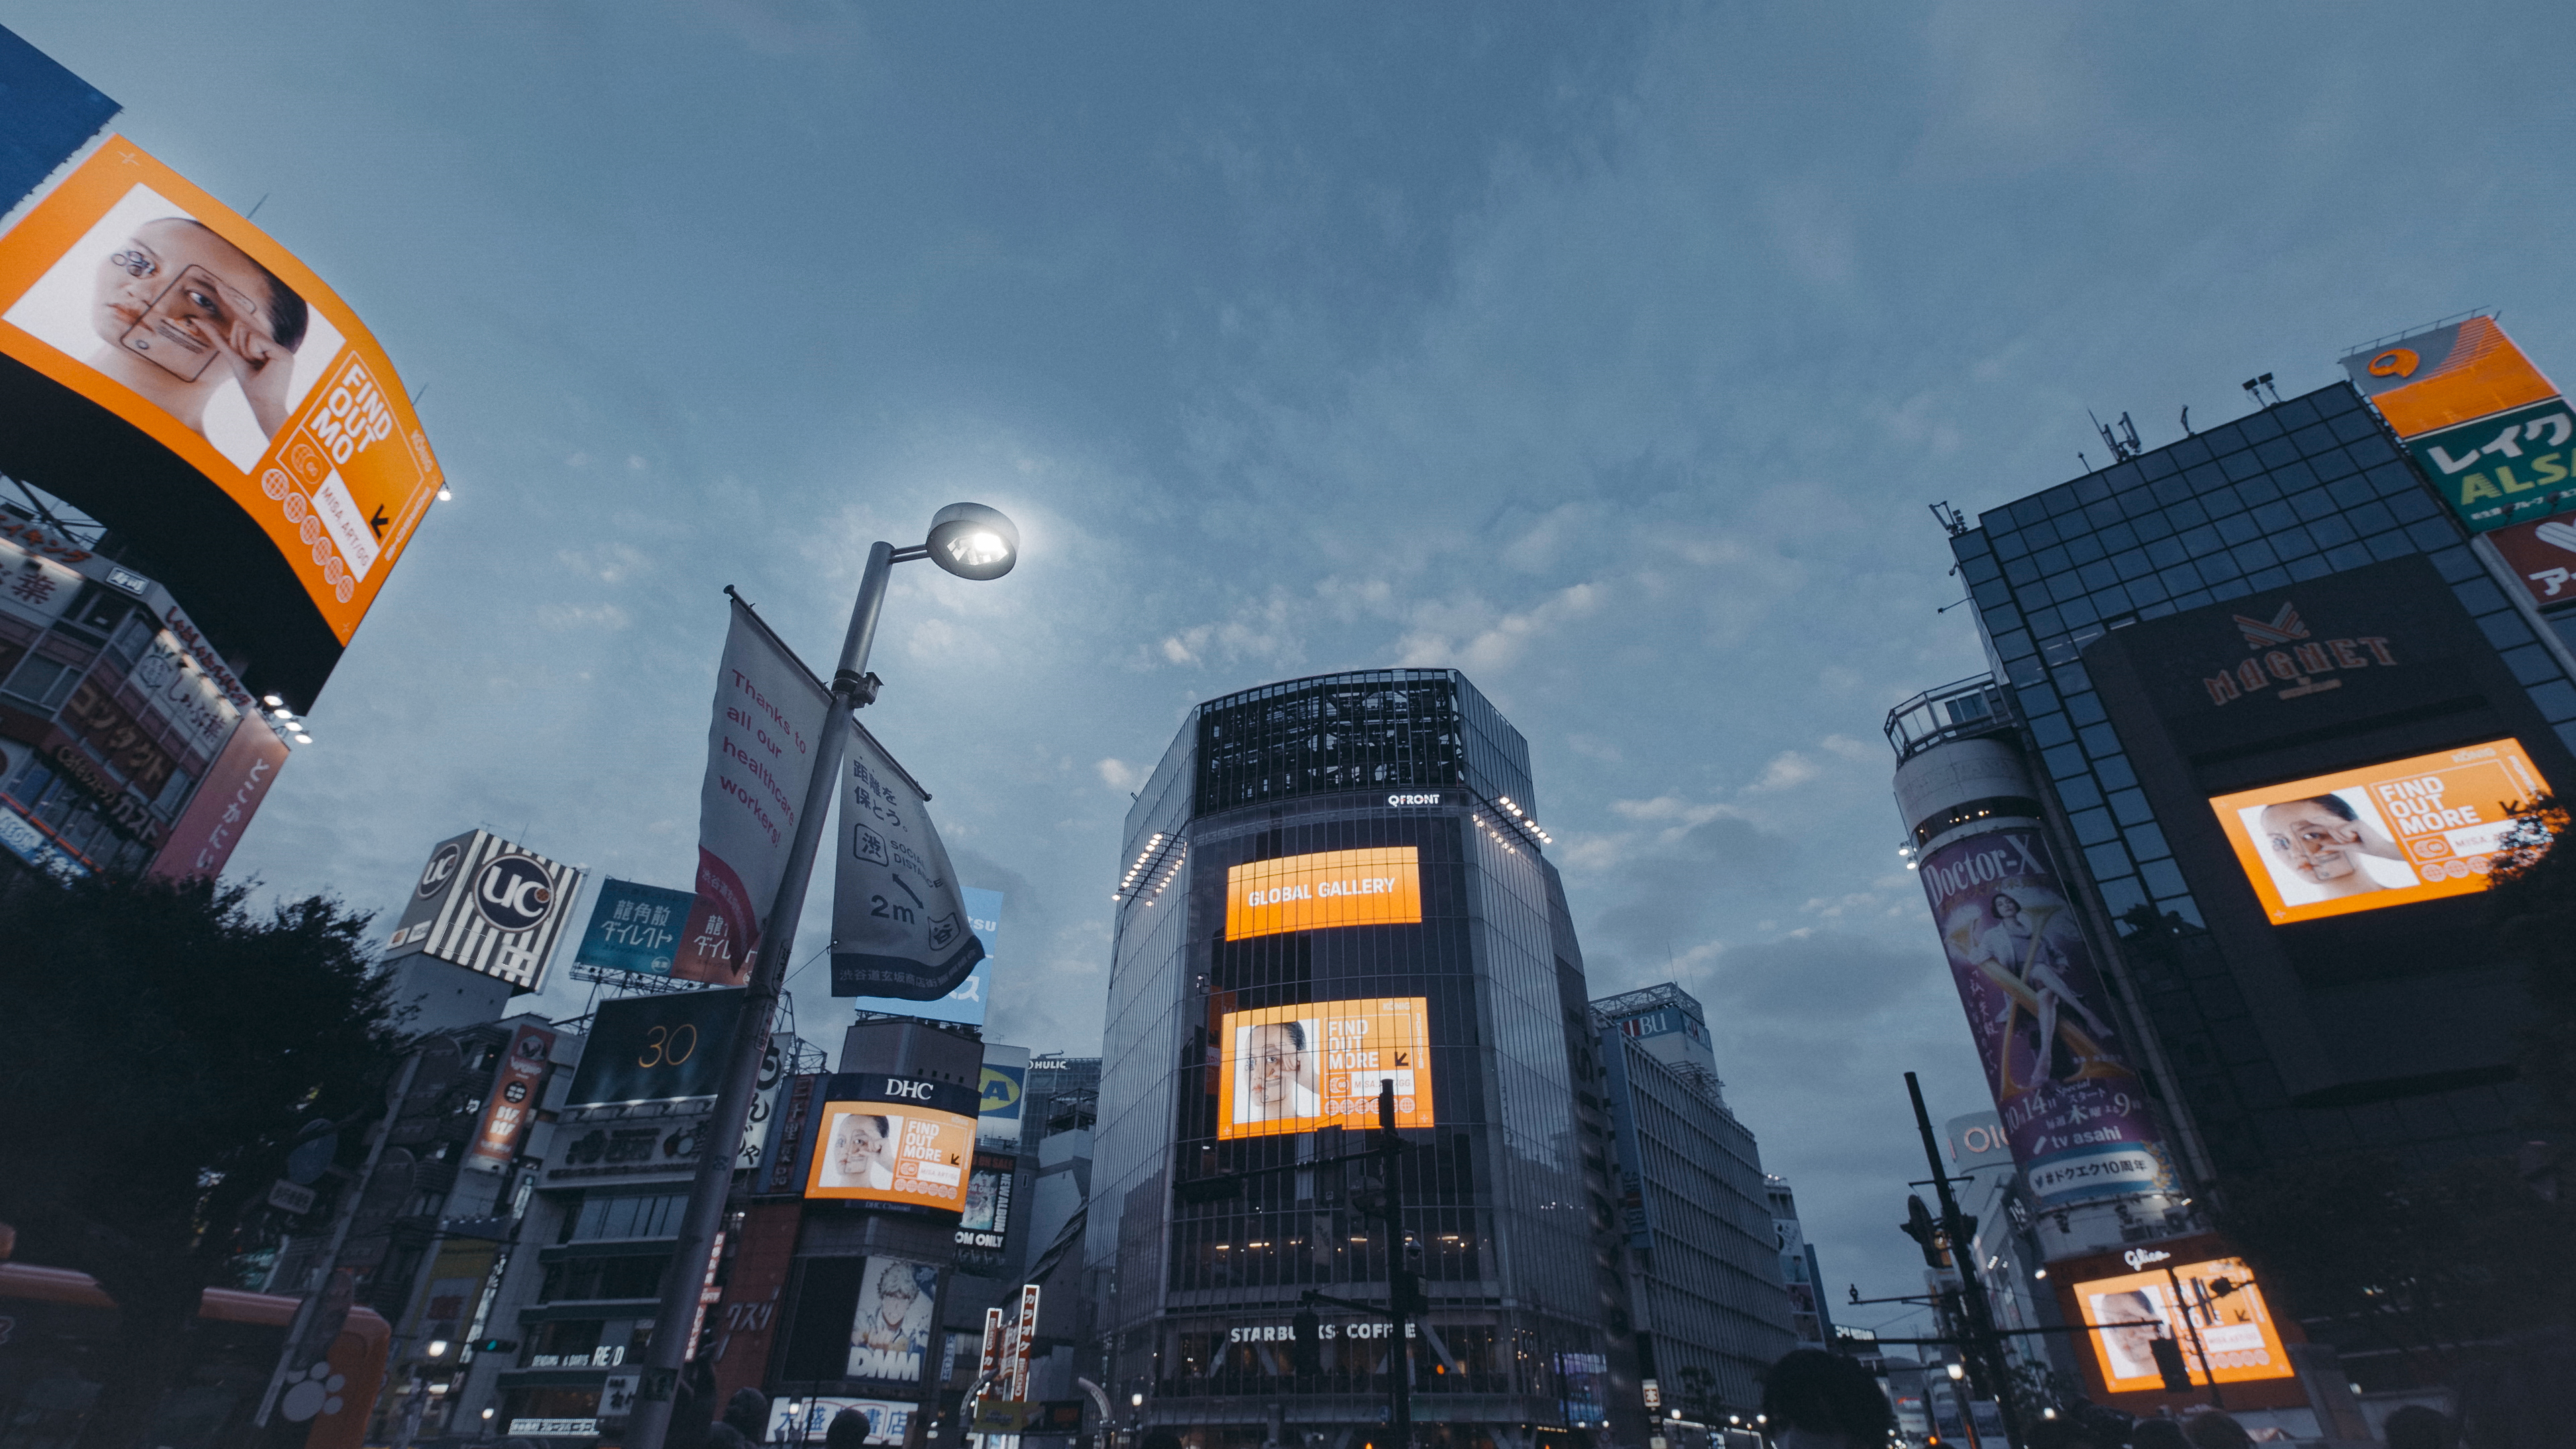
1610	353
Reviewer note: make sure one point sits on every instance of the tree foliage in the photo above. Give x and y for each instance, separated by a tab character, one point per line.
161	1047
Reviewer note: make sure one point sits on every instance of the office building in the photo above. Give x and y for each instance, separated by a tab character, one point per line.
1334	883
1811	1317
1705	1267
2205	844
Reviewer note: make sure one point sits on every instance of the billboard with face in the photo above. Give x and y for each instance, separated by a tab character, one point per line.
2218	1302
211	399
1375	887
897	1318
894	1140
2409	830
1297	1068
2074	1112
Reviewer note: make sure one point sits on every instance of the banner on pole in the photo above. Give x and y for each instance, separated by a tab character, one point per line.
769	716
899	920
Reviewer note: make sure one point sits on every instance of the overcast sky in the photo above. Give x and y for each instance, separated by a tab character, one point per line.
1609	353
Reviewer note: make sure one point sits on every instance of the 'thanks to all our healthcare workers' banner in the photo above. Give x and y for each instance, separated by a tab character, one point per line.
769	718
899	921
2074	1111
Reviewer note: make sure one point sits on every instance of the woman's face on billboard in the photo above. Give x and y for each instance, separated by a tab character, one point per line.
182	311
2311	840
862	1144
1278	1066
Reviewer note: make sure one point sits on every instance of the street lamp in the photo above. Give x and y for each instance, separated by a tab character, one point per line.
972	542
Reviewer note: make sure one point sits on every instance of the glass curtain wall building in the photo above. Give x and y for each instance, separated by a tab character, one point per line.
1333	882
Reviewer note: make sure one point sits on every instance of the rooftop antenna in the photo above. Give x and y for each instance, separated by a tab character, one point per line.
1948	517
2080	458
2186	420
2110	440
2129	434
2256	386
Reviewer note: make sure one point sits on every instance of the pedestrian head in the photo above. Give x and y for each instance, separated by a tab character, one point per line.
2215	1429
748	1412
1818	1400
848	1430
2417	1426
2157	1434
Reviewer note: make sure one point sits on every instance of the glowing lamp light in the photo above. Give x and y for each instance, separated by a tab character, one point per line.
438	1348
445	494
1958	1371
1135	1401
973	541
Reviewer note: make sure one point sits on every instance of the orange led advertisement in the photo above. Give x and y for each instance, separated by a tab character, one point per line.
151	299
1297	1068
2409	830
1376	887
2219	1303
894	1140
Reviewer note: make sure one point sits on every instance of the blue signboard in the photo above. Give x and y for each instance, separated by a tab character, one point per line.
966	1003
634	928
46	114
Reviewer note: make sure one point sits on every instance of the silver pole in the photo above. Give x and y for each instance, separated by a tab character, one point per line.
651	1421
320	1277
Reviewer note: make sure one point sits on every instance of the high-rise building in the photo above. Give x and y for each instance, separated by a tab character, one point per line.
2204	845
1332	884
1704	1266
1811	1317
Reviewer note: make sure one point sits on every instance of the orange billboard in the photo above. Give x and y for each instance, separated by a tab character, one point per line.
2414	829
2447	375
904	1150
154	301
2211	1309
1297	1068
1381	886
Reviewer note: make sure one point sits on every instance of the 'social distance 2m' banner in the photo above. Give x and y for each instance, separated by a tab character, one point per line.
894	1139
2074	1111
1297	1068
1380	886
769	714
138	291
2235	1327
2481	421
899	917
2409	830
968	1002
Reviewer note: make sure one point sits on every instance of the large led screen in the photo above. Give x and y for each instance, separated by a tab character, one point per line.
1375	887
2408	830
894	1140
1297	1068
153	301
897	1319
2218	1300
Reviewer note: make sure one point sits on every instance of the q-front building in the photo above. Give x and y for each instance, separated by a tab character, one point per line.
1332	883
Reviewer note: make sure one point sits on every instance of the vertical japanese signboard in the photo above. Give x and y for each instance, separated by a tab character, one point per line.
518	1085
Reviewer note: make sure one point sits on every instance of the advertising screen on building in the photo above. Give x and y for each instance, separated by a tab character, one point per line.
2385	835
2219	1301
897	1318
2074	1110
1297	1068
984	1230
894	1140
656	1048
190	384
1375	887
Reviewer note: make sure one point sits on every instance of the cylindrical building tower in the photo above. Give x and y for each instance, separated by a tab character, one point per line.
2062	1057
1333	882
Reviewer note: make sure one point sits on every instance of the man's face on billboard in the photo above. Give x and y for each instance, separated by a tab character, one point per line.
2311	840
1278	1067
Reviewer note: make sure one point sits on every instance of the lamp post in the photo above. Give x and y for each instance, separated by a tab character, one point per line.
972	542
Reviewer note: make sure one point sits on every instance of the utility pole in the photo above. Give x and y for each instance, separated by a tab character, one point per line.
1984	1349
1403	1285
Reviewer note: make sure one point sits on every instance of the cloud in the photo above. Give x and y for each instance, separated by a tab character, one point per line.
1120	776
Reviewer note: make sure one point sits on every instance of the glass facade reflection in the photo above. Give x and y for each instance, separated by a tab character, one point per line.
1508	1197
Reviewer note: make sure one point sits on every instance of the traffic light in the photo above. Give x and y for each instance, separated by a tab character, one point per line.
2169	1363
1926	1233
1386	1138
1306	1350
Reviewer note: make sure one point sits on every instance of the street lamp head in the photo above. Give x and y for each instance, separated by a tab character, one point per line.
973	541
1958	1371
438	1348
1135	1401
